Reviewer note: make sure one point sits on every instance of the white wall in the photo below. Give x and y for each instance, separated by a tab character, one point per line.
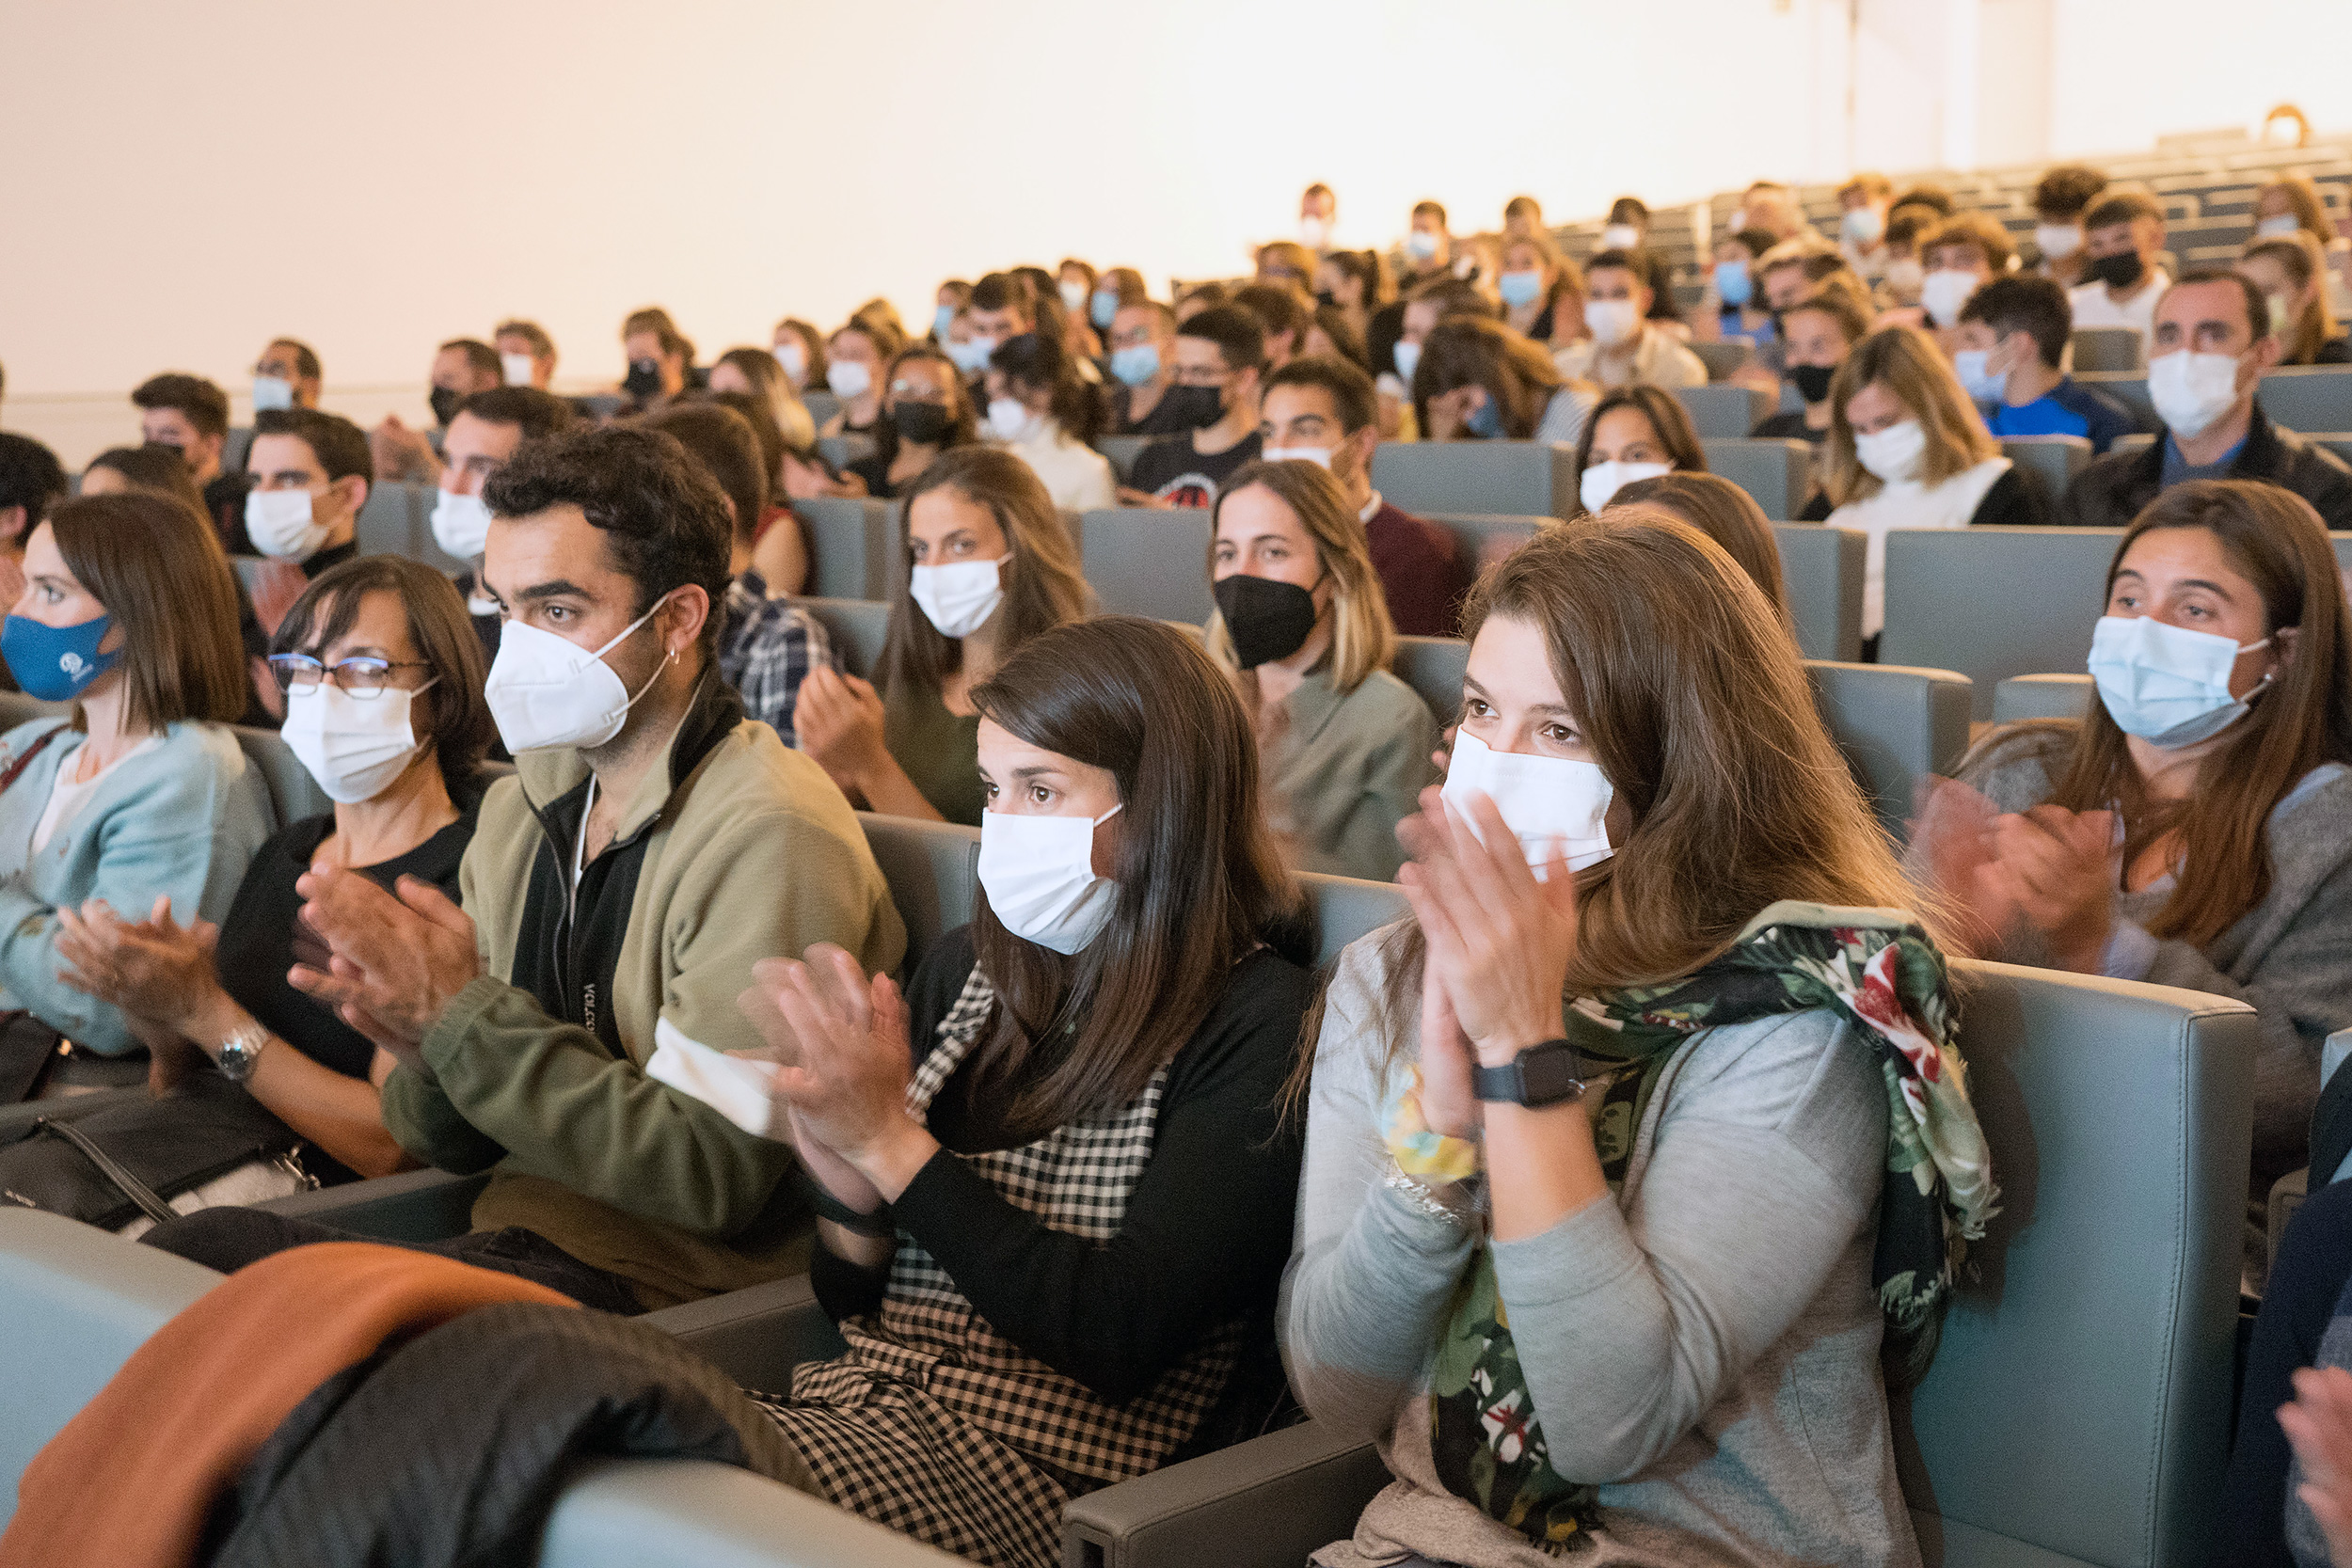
376	178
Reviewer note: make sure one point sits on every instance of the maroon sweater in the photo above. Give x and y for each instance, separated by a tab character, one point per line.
1420	569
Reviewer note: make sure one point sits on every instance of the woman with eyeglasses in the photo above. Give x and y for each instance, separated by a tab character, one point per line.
926	410
382	675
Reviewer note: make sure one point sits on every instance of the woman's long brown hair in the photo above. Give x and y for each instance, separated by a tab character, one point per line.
1200	882
1696	705
1043	586
2303	719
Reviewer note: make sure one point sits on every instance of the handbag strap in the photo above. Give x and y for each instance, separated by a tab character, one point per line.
113	1169
41	742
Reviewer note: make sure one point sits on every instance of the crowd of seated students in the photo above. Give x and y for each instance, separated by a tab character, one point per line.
647	981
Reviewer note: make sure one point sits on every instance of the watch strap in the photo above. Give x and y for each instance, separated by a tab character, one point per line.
1543	1074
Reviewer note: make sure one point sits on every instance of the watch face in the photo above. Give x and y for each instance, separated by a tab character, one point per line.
1548	1074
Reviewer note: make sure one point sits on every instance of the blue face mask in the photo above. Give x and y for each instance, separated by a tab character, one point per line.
55	664
1103	309
1733	283
1136	364
1519	289
1486	420
942	318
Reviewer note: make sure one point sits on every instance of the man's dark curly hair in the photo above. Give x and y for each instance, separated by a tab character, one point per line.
664	519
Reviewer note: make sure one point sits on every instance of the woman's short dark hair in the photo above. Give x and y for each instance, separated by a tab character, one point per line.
1200	883
153	468
458	723
156	564
726	444
1037	359
663	517
1517	375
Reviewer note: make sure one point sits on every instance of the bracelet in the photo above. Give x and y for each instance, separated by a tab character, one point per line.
1423	1199
878	1225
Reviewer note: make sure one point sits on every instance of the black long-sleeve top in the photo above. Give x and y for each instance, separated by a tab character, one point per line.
1207	1228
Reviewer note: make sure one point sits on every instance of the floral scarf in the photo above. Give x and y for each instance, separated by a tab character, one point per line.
1877	969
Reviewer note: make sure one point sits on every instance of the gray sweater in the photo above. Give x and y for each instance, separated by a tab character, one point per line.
2290	957
1705	1348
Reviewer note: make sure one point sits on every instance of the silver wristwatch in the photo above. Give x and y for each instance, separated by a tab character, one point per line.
241	1052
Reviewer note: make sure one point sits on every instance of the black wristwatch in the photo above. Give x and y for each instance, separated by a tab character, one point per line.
1538	1076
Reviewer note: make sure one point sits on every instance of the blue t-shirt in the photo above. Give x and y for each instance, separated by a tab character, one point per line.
2068	408
2180	470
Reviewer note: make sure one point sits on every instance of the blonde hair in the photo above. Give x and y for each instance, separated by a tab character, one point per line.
1907	363
2302	260
1364	638
2303	200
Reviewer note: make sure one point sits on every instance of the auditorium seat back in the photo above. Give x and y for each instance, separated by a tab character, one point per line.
2309	397
232	450
2055	460
854	546
2078	1410
1480	541
842	450
1993	602
291	790
1820	572
2107	348
2041	697
1721	409
1149	561
821	405
1497	478
857	628
1722	358
1779	474
1432	667
396	519
17	708
2130	390
1121	452
1894	725
933	872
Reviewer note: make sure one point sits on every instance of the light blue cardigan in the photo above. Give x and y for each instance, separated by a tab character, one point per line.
184	818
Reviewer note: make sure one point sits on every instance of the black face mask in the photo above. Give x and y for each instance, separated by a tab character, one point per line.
1268	620
446	402
926	424
2117	272
1812	380
644	379
1193	407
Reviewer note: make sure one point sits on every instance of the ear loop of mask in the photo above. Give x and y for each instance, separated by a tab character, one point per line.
625	632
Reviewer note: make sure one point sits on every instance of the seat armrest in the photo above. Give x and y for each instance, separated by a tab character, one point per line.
628	1512
414	1206
756	1336
1266	1503
75	1301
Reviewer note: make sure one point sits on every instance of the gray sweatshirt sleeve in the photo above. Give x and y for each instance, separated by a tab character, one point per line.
1370	1275
1632	1320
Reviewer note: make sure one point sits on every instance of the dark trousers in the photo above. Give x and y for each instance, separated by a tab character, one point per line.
227	1239
2298	1302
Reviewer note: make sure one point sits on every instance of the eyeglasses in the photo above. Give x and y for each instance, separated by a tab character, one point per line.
361	677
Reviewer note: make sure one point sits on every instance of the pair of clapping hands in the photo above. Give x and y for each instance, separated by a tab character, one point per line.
2046	867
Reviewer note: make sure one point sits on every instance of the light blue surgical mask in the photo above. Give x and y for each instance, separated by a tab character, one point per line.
1136	363
2167	685
272	391
1733	284
1408	360
1103	308
1420	244
1982	385
971	358
1486	420
942	318
1519	289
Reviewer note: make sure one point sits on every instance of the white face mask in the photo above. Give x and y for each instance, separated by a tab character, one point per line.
960	596
354	746
1317	455
1313	232
1604	480
461	524
2057	241
1620	236
517	369
279	523
1893	453
2166	684
1009	418
1553	806
848	378
1038	874
272	391
1074	297
1944	291
2191	390
1408	359
545	691
1610	321
1863	225
2285	222
794	359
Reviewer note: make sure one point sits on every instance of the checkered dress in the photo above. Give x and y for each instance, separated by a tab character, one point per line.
936	1424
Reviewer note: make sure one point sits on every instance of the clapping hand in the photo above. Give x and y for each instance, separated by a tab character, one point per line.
838	720
398	962
845	1068
155	969
2318	1425
1500	941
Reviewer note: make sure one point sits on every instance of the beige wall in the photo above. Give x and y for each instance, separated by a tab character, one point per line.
185	180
